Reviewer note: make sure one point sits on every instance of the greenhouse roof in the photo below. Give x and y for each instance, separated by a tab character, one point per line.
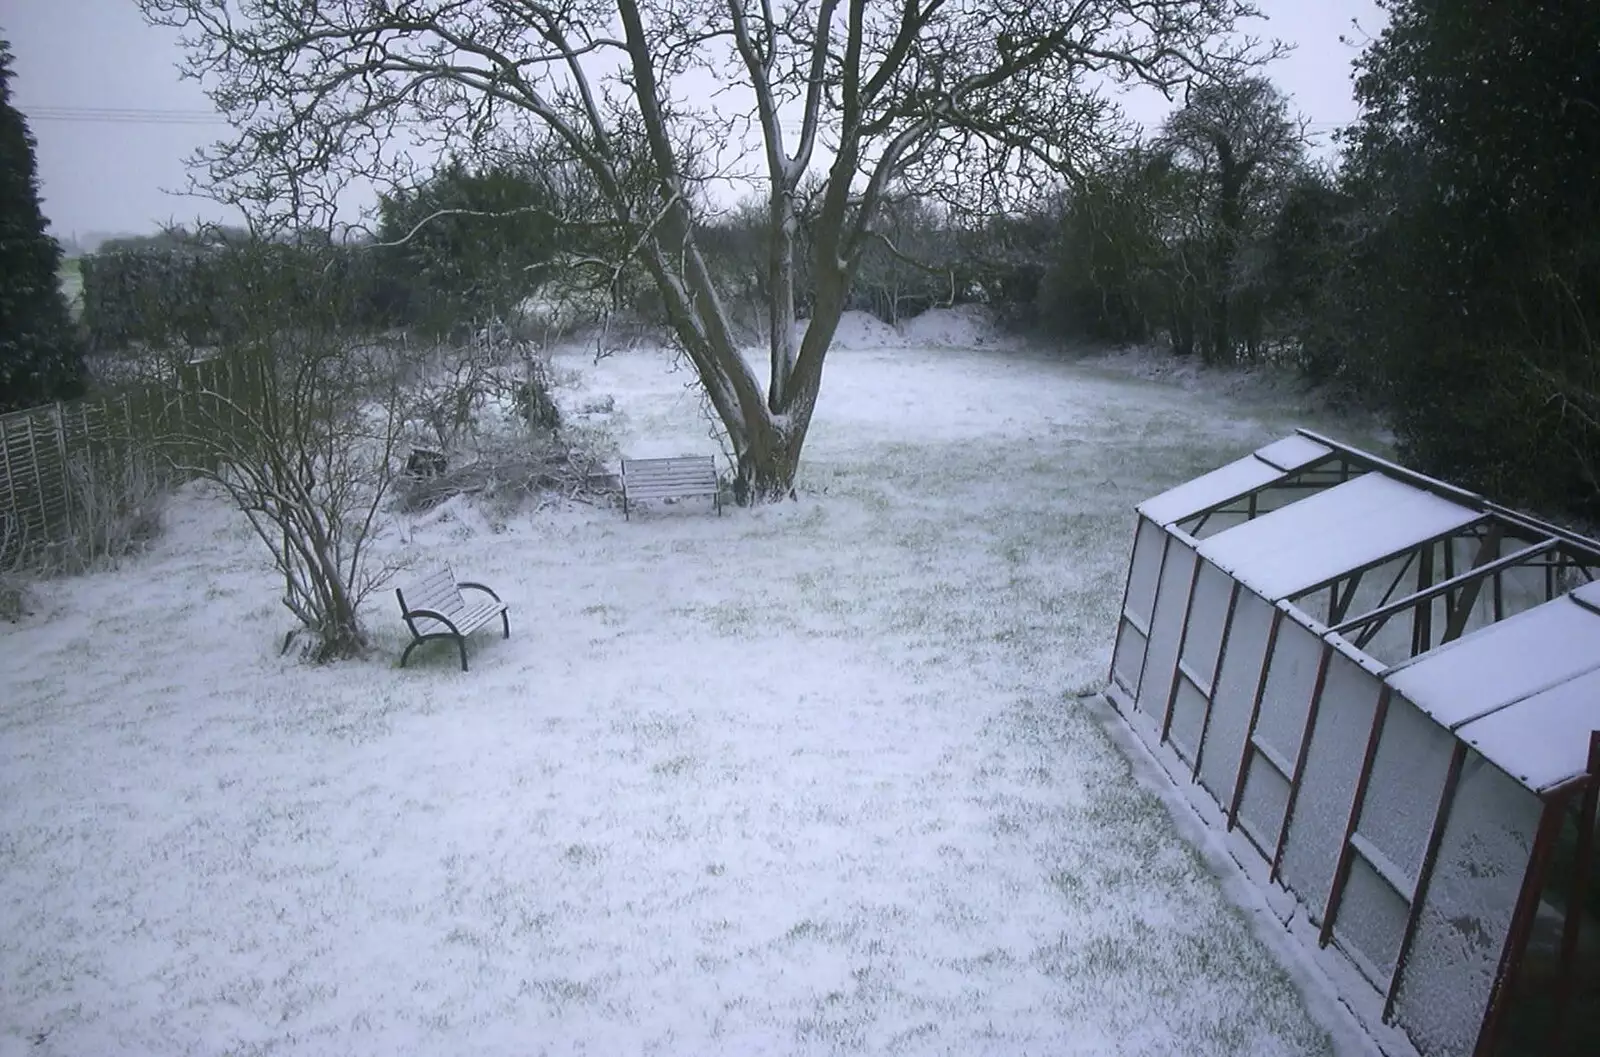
1238	478
1333	533
1525	692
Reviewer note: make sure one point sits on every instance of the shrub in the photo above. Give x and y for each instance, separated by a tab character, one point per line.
190	291
15	590
535	406
118	498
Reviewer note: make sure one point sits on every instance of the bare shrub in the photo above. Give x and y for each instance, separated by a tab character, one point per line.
448	396
447	399
507	473
118	497
532	397
306	451
15	583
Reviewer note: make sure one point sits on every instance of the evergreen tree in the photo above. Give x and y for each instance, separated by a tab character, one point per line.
40	358
1472	295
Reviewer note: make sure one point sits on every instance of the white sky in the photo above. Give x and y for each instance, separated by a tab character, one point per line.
113	175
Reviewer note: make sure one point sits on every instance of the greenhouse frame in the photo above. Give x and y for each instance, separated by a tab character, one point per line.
1385	691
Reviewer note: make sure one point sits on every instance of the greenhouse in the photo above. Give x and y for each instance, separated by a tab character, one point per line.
1386	691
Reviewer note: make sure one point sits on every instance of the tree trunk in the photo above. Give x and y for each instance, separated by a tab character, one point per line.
1219	344
767	465
781	309
770	453
340	636
1231	176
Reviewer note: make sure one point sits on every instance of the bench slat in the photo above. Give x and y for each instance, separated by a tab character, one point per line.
443	599
432	582
437	590
665	482
676	490
672	460
466	621
441	576
637	479
695	478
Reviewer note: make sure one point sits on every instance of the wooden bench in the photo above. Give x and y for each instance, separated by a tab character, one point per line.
434	608
678	478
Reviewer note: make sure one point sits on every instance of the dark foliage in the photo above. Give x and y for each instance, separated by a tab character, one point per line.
40	356
1472	297
187	290
472	243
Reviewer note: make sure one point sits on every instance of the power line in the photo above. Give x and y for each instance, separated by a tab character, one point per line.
111	115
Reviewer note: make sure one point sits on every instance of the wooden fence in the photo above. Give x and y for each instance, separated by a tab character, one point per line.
42	448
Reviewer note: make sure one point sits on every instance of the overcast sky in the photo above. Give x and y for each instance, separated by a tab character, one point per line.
110	172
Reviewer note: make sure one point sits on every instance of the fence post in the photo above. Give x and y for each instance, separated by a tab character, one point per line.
38	475
59	414
11	477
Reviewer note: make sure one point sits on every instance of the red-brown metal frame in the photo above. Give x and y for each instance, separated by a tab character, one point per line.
1127	586
1460	591
1449	491
1216	674
1383	613
1255	714
1527	906
1183	640
1288	479
1577	902
1300	757
1422	616
1341	870
1430	858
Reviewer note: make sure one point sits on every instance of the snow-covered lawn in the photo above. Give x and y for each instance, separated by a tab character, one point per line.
803	779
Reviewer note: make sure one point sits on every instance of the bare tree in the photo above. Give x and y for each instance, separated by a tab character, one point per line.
949	95
1238	137
299	421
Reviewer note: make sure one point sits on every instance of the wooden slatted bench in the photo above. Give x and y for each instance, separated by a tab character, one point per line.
682	477
434	608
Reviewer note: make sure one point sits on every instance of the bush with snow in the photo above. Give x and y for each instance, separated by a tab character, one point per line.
117	498
15	588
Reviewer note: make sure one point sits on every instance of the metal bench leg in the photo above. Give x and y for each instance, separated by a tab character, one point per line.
505	622
406	655
461	641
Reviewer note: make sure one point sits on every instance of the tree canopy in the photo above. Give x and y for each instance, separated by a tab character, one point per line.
1474	246
960	99
40	357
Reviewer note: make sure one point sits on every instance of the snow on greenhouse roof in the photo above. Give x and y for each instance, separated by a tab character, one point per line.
1588	595
1237	478
1543	740
1292	453
1323	536
1502	663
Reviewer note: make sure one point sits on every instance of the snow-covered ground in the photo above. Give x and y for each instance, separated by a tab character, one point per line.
805	779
